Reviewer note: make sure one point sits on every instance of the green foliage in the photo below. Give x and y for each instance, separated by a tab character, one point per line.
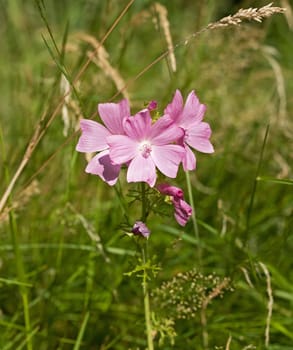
66	270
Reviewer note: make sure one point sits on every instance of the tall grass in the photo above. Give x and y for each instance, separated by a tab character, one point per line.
63	254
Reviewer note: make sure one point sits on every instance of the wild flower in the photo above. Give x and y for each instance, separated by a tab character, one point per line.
141	229
94	139
183	210
147	146
144	145
196	133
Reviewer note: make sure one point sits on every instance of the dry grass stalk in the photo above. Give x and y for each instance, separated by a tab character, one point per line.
270	53
164	24
66	91
250	14
218	290
101	59
71	113
270	303
288	13
228	343
247	278
21	200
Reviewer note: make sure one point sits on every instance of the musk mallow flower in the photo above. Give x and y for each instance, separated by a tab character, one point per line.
189	118
182	210
146	146
94	139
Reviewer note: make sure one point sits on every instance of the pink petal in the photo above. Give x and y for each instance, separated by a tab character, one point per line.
167	158
183	211
175	107
122	149
198	138
102	166
193	111
189	160
138	126
93	137
113	114
142	169
165	131
169	190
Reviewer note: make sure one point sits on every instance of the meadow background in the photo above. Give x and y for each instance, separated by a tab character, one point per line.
63	256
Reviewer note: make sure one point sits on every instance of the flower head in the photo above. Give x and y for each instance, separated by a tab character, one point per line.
140	228
189	118
183	210
94	139
146	146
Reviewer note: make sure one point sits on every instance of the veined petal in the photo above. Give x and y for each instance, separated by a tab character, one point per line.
122	149
93	137
193	111
167	158
175	107
113	115
142	169
198	138
165	131
138	126
189	160
102	166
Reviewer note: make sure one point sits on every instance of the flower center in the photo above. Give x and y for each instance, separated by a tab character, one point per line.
145	149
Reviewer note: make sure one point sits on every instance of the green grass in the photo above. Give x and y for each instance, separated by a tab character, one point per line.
61	287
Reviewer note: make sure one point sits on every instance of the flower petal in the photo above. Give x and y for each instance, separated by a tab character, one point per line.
122	149
93	137
189	160
193	111
165	131
167	158
138	126
102	166
175	107
140	228
183	211
198	138
113	114
142	169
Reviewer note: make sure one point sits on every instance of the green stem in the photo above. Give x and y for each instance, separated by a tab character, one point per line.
146	300
143	203
146	297
193	215
18	256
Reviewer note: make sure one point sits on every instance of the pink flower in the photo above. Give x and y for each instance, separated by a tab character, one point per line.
183	210
189	118
94	139
140	228
147	146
